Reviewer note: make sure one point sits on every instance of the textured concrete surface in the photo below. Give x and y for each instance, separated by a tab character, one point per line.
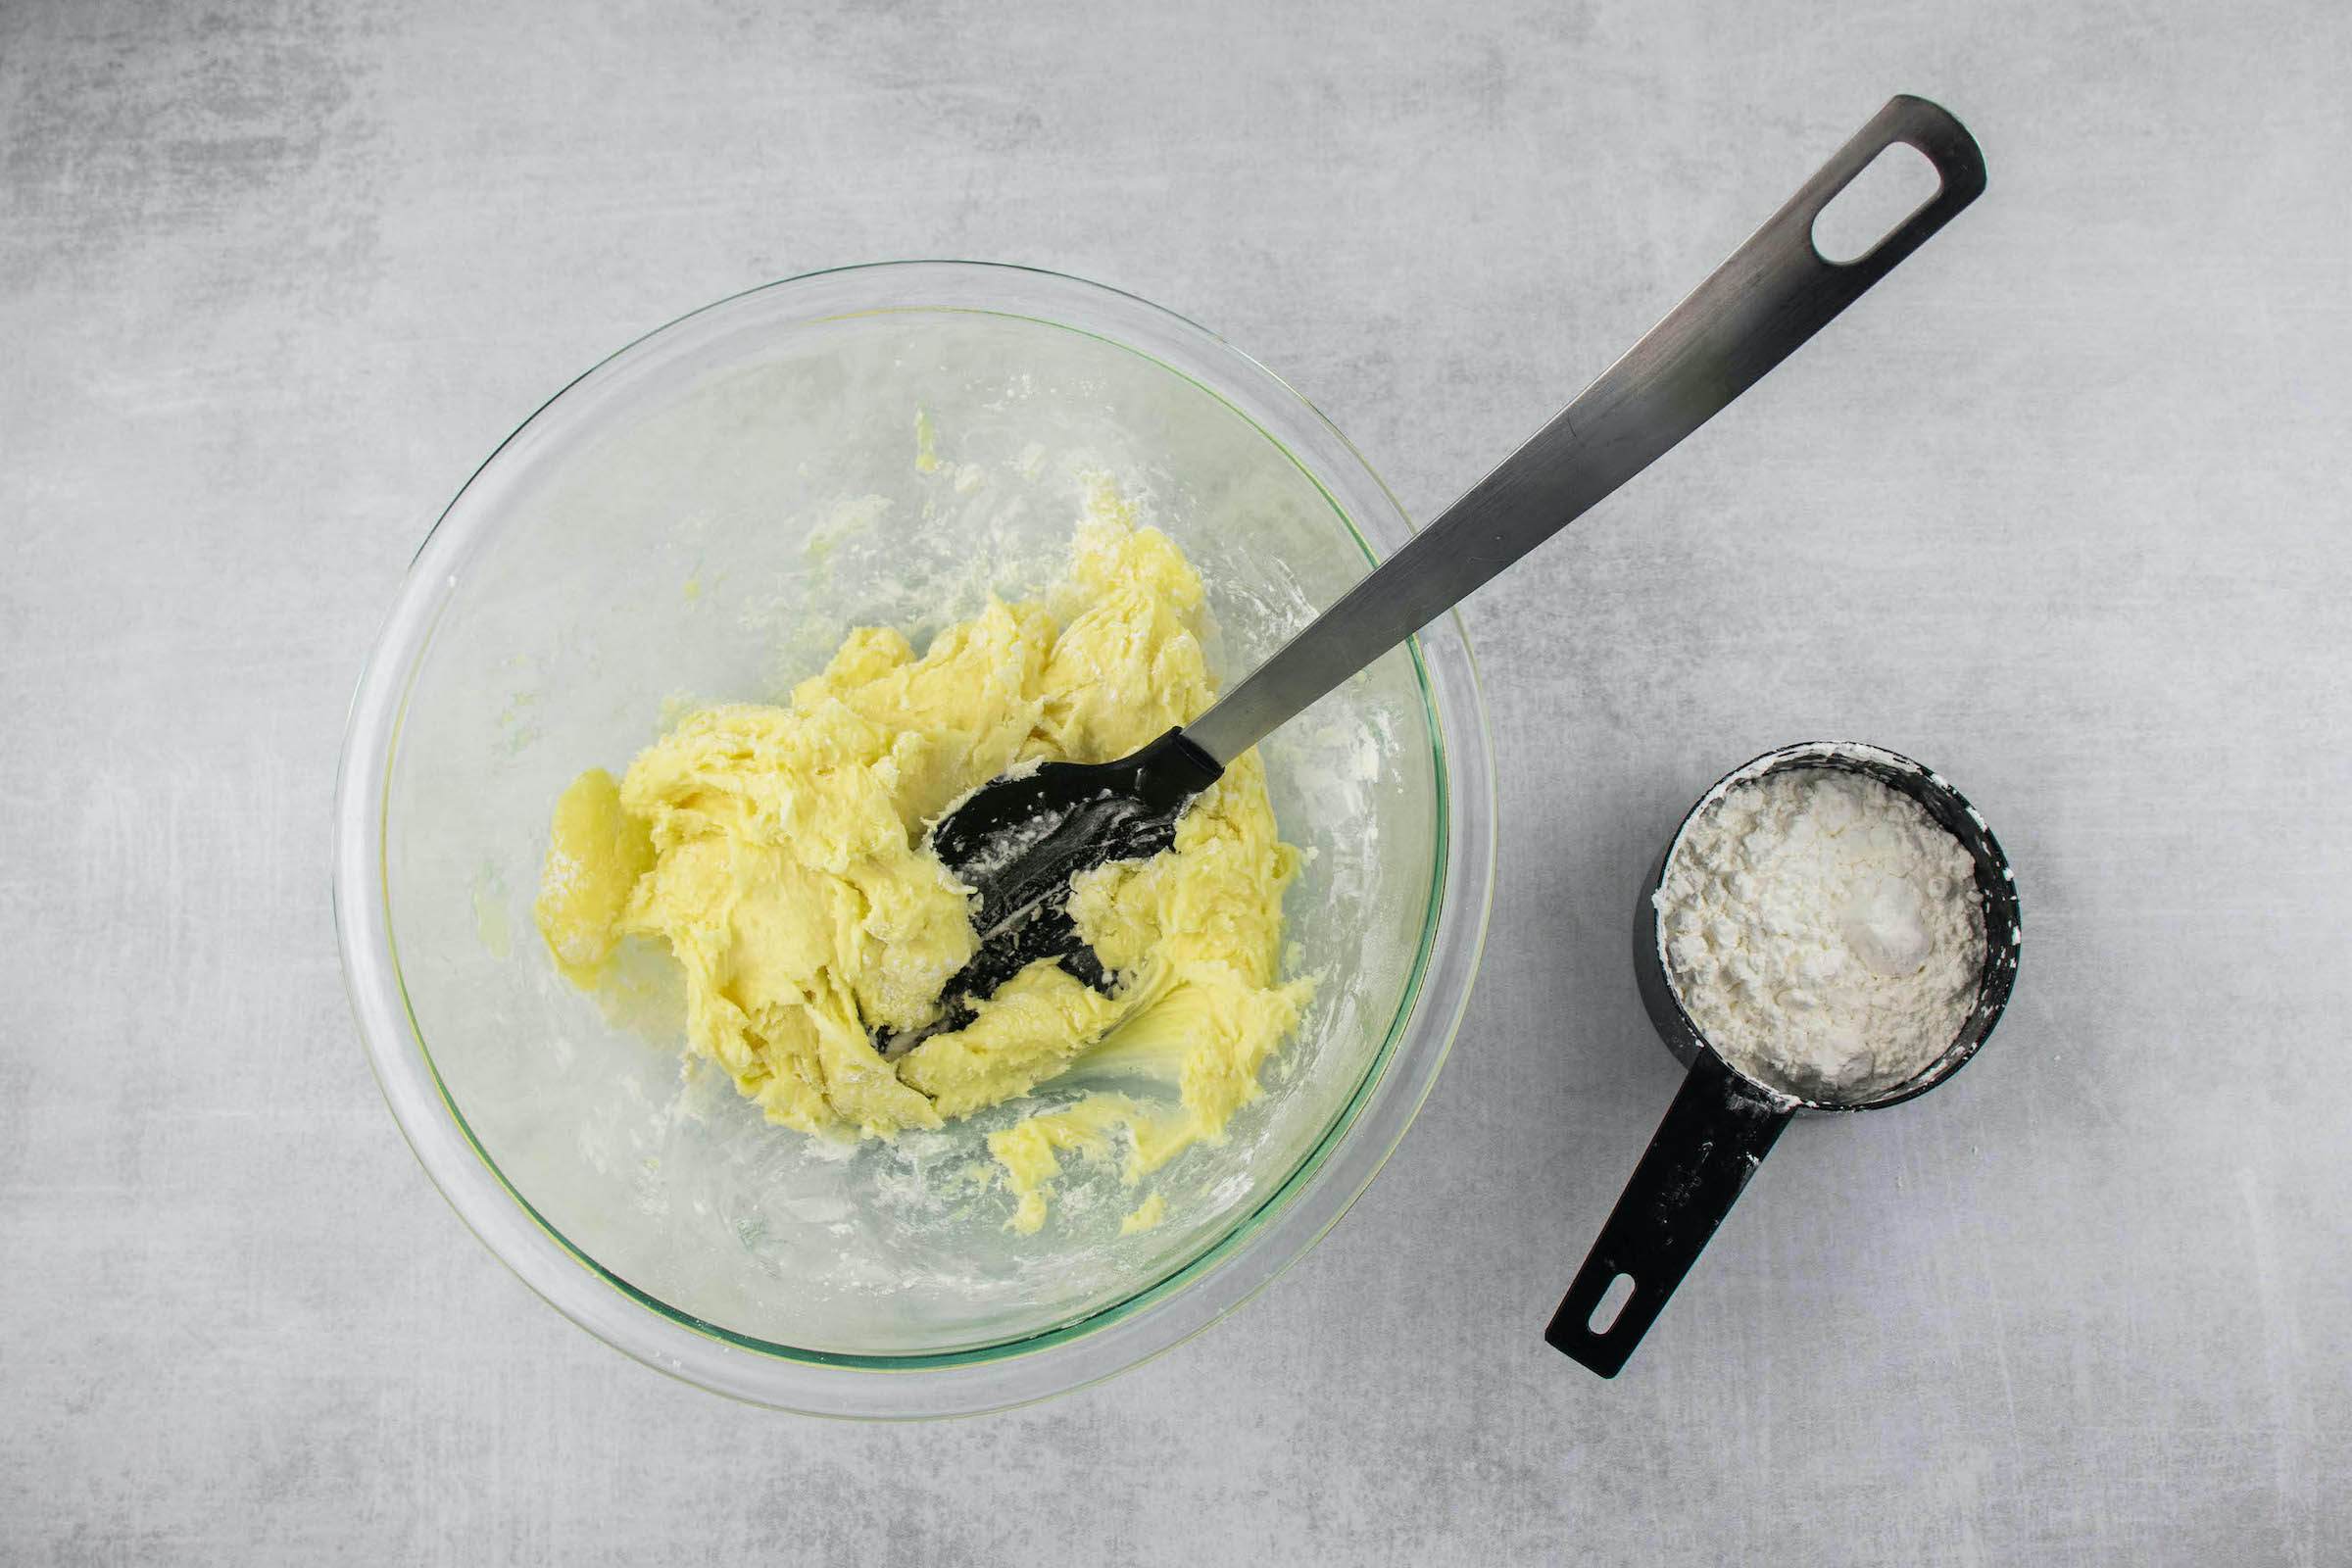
2062	509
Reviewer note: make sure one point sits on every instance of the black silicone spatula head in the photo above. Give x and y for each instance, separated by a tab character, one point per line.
1020	841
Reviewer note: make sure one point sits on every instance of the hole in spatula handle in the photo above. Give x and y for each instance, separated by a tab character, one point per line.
1875	203
1714	1136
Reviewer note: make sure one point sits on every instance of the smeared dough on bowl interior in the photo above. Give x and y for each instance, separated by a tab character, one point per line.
778	854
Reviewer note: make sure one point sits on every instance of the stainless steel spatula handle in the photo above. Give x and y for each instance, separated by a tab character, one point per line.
1776	291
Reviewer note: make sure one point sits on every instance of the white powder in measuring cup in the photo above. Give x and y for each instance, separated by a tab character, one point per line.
1823	931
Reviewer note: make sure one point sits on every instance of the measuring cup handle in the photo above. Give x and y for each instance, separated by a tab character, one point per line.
1714	1136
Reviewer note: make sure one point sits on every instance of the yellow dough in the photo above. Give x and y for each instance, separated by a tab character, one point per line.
778	854
596	853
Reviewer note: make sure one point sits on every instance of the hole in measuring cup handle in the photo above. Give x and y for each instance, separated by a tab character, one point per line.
1612	1304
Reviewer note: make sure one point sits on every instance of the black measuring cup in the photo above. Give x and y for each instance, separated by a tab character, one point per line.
1723	1121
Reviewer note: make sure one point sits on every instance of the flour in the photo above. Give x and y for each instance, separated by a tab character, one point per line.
1822	930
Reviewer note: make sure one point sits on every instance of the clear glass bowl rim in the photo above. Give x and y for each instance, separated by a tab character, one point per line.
1284	1225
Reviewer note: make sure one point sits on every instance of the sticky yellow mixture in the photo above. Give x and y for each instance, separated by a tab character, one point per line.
778	854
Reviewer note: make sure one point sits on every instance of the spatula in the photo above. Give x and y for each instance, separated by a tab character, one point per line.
1019	840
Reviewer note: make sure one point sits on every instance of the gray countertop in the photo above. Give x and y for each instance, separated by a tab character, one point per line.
2060	509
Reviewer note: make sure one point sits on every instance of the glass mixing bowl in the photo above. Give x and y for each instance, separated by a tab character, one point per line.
701	519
